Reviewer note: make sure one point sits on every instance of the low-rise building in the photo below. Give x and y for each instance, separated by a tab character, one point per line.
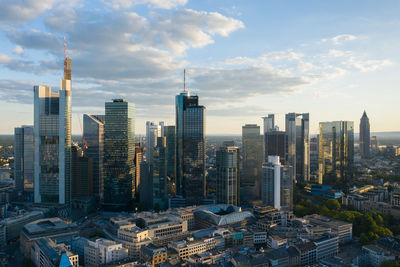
275	242
46	253
344	230
14	224
308	253
153	254
373	255
103	251
327	246
277	257
191	246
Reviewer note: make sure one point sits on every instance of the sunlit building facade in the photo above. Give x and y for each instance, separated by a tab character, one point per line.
52	138
119	153
336	151
228	175
190	148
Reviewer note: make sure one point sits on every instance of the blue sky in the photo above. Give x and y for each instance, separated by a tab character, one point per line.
245	59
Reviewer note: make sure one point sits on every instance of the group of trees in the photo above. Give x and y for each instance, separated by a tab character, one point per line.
368	226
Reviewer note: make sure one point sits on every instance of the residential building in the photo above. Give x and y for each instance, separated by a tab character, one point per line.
336	151
298	132
52	139
190	148
24	159
119	154
228	175
364	136
93	134
104	252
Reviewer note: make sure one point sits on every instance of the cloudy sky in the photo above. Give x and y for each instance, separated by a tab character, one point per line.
244	58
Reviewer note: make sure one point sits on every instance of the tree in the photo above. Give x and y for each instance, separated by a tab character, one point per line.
332	204
389	263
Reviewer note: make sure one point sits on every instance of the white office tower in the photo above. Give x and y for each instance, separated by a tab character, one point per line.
152	132
52	134
277	185
269	123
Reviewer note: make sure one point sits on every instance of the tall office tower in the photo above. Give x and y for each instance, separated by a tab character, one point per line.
297	129
158	171
119	154
314	152
269	123
162	125
23	159
253	155
152	132
228	175
277	185
52	133
82	174
336	151
138	162
169	133
374	143
364	136
275	143
190	148
93	133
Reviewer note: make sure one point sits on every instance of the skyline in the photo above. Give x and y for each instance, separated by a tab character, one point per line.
330	60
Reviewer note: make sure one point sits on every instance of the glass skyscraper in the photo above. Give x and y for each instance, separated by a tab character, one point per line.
298	154
23	158
119	154
169	133
336	151
153	131
93	132
364	136
52	135
190	148
228	175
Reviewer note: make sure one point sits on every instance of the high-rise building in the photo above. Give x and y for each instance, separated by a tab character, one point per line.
314	152
190	148
269	123
52	139
24	158
93	133
275	143
158	172
119	153
277	184
374	143
228	175
336	151
297	130
138	162
152	132
253	155
364	136
82	174
169	133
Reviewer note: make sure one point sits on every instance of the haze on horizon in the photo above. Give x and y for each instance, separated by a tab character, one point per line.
245	59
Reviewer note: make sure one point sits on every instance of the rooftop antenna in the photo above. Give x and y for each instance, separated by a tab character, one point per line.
184	80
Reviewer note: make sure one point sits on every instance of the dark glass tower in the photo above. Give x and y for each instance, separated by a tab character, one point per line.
228	175
119	154
253	156
364	136
275	145
190	148
23	159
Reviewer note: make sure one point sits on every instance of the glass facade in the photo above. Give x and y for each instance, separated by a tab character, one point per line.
24	158
153	131
158	170
119	153
253	157
93	132
228	175
275	145
190	148
336	151
364	136
298	153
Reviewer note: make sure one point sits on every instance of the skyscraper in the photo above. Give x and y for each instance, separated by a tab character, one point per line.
336	151
277	184
190	148
228	175
153	131
82	174
275	143
253	155
93	132
158	171
169	133
269	123
364	136
297	130
138	162
24	158
119	153
52	131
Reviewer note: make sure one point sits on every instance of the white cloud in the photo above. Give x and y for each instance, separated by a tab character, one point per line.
18	50
24	10
367	65
163	4
341	38
5	59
